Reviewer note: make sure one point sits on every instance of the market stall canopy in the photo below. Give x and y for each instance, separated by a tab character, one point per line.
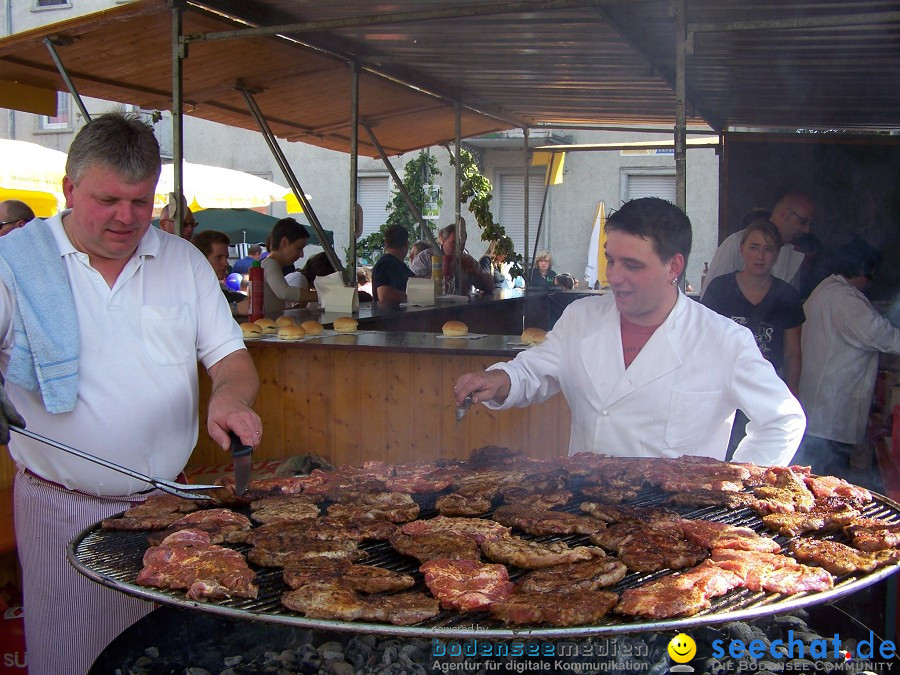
33	174
802	63
208	187
246	226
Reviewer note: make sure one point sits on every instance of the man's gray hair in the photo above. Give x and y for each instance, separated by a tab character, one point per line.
120	142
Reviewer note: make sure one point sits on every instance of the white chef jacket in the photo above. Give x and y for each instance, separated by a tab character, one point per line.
677	397
728	259
840	342
137	370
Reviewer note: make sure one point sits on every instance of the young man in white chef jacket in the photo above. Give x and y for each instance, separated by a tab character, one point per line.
647	371
122	314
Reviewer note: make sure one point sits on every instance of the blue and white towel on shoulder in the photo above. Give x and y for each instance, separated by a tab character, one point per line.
47	340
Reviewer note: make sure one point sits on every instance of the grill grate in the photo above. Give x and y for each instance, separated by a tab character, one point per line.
114	559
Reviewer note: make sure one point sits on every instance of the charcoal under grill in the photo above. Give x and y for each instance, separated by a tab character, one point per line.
114	559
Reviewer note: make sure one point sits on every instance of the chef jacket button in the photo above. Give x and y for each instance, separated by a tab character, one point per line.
605	413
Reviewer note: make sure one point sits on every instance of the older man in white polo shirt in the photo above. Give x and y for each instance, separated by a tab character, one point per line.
115	324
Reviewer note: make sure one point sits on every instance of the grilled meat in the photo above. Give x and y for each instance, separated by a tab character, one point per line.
682	594
459	504
710	534
772	572
394	514
589	575
221	525
535	555
325	600
283	508
363	578
822	518
643	548
832	486
438	544
188	560
839	558
540	522
609	494
304	549
703	497
555	608
610	513
466	585
873	534
785	492
542	499
476	528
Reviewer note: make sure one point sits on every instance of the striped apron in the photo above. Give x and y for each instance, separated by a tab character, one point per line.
69	619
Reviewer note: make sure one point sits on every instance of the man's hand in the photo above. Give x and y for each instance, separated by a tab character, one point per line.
234	387
8	415
490	385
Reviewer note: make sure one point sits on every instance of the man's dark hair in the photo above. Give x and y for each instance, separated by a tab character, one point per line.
663	223
256	249
286	227
396	236
856	258
756	213
317	266
204	240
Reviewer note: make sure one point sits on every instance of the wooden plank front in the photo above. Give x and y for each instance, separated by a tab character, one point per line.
354	405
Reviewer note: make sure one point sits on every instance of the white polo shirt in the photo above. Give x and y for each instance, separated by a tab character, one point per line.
137	369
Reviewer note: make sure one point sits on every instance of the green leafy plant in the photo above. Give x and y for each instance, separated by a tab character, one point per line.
478	192
418	172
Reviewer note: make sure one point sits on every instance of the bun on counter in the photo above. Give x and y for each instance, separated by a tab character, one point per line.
455	328
292	332
345	324
251	330
283	321
312	327
267	326
533	336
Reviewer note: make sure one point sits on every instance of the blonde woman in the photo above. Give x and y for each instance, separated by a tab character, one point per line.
543	276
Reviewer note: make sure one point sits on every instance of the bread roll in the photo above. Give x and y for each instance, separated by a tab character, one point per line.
345	324
312	327
533	336
283	321
267	326
251	330
292	332
456	328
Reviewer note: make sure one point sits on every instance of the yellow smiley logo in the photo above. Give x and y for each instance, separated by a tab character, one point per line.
682	648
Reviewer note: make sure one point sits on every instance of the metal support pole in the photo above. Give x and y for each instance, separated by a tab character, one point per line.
350	272
179	51
289	176
537	235
426	230
65	76
525	164
458	198
680	112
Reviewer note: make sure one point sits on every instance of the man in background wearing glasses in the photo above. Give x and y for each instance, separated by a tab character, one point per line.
13	214
793	216
167	224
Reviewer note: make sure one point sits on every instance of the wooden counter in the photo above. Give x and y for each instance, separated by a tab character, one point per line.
384	396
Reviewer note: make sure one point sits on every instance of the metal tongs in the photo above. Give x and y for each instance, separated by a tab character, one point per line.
178	489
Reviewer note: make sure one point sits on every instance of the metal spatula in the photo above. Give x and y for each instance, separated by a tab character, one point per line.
179	489
461	410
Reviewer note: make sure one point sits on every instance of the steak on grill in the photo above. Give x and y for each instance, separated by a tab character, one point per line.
711	534
326	600
534	554
439	544
839	558
221	525
680	594
188	560
363	578
540	522
459	504
644	548
555	608
283	508
873	534
466	585
589	575
772	572
476	528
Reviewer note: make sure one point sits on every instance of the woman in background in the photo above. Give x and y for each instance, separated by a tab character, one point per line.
492	262
285	243
769	307
543	276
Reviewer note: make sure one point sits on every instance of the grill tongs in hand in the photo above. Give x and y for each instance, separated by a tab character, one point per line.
178	489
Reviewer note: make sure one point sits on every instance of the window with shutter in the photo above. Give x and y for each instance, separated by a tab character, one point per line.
650	185
510	209
373	193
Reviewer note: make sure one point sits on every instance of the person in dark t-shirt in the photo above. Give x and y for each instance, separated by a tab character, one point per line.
390	274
